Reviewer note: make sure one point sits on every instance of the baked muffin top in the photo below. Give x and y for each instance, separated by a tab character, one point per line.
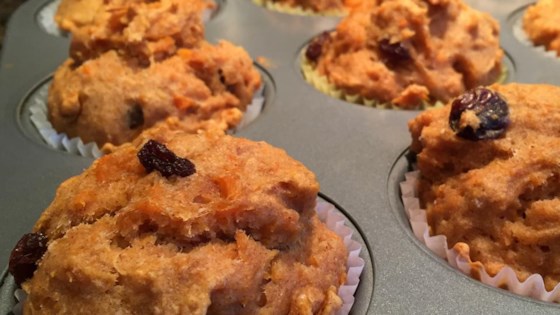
409	51
143	31
540	22
496	199
236	233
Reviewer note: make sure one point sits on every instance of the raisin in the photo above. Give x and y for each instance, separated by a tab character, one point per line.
221	76
135	116
488	115
23	260
393	54
156	156
315	48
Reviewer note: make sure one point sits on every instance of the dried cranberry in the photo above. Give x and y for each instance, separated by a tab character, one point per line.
156	156
315	48
135	116
490	119
393	54
23	260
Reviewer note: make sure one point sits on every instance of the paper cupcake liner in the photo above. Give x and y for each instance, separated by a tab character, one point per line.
519	33
321	83
335	222
506	278
296	10
39	117
60	141
45	18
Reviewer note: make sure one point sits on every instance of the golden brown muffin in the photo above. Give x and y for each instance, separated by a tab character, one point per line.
239	235
406	52
109	100
496	198
146	31
540	22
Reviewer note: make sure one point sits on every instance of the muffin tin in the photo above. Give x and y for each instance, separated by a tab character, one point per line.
357	153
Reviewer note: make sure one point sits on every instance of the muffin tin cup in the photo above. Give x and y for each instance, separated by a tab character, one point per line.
35	106
506	278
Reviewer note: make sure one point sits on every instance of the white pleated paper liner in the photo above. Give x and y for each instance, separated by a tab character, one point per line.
506	278
45	18
39	117
336	222
296	10
519	33
46	14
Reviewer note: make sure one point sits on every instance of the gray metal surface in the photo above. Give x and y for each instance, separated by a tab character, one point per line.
354	151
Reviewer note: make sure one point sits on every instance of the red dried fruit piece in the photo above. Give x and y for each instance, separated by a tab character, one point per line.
23	260
135	116
156	156
393	54
488	112
315	48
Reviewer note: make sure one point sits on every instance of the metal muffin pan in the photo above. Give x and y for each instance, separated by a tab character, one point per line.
356	153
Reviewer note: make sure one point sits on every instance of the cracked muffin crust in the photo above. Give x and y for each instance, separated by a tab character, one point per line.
240	235
409	52
540	23
496	200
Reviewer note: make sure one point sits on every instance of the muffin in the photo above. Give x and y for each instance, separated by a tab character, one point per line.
72	15
489	179
140	62
406	53
109	100
540	23
145	31
186	224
